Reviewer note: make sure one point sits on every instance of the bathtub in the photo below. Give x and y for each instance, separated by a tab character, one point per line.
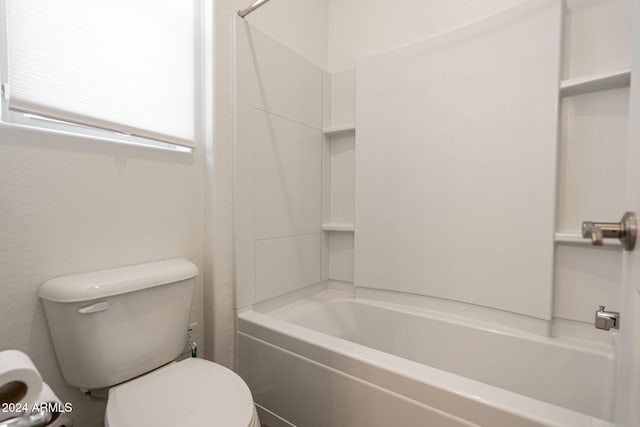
332	360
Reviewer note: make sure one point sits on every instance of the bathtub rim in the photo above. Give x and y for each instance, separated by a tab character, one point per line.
575	333
309	343
327	294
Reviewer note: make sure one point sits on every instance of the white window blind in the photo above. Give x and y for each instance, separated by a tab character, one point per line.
121	65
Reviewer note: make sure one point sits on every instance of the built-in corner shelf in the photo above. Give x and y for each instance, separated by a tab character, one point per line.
577	239
338	226
339	129
595	82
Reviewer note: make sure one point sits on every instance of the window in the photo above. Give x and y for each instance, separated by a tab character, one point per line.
117	67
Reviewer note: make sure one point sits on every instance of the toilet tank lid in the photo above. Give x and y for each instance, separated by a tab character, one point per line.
116	281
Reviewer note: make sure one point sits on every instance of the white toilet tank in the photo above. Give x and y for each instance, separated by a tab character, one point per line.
112	325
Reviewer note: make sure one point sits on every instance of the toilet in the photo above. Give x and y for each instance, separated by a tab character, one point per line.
123	328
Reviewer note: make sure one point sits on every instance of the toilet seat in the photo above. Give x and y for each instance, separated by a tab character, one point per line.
193	392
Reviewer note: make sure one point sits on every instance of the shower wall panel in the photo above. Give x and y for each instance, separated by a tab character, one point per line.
456	163
277	168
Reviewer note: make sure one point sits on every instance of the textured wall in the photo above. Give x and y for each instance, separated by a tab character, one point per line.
71	205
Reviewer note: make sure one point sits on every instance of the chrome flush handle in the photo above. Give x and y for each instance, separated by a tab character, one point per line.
626	230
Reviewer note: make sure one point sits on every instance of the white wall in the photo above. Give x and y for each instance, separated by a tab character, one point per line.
70	205
299	26
277	168
592	158
455	163
358	28
339	174
302	26
593	127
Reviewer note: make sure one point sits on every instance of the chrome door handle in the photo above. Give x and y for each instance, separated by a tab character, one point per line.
626	230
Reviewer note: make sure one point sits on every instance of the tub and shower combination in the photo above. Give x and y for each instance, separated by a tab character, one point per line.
331	359
454	202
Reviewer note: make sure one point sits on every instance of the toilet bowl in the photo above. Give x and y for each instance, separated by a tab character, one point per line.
193	392
123	328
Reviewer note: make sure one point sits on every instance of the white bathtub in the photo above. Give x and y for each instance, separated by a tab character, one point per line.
331	360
